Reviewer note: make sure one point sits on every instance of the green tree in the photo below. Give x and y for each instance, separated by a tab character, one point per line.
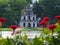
37	9
12	10
49	8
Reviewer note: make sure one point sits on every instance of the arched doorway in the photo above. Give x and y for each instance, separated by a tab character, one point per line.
33	24
24	24
24	17
28	13
33	18
29	25
29	17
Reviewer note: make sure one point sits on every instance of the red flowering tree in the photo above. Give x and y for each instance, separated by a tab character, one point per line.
42	23
58	19
13	27
46	21
52	27
2	20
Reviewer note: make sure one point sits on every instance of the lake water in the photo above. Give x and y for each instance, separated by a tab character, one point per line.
30	34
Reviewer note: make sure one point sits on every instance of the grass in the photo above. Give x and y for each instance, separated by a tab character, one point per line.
8	29
5	29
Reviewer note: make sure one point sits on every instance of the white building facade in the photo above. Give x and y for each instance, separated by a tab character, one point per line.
29	19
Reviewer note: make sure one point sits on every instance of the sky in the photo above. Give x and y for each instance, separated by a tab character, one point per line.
34	0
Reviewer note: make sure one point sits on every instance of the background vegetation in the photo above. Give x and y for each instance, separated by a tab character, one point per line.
11	9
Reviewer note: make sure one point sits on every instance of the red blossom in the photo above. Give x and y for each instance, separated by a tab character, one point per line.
42	22
3	20
46	18
52	26
13	27
57	17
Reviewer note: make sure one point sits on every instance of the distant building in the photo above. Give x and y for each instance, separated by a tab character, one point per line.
28	19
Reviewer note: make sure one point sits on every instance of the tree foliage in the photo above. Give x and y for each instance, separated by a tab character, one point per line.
50	8
37	9
11	10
